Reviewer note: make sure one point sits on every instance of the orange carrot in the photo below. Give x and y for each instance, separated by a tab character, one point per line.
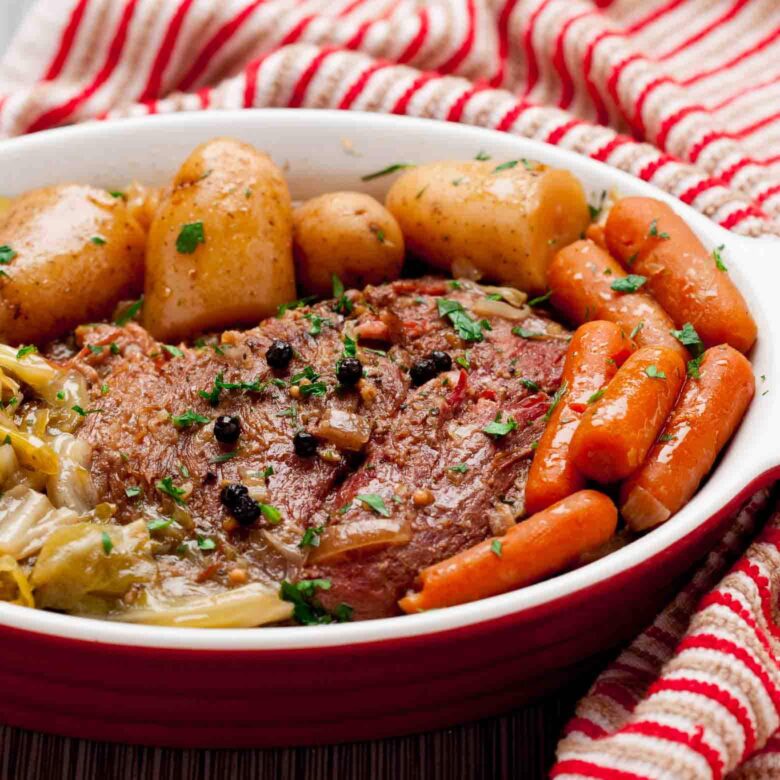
595	232
616	432
707	413
582	277
687	280
538	547
595	352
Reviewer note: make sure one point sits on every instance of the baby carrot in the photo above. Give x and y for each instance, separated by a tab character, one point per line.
691	283
538	547
616	433
596	350
587	284
707	413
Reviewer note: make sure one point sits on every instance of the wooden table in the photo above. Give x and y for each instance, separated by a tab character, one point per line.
519	745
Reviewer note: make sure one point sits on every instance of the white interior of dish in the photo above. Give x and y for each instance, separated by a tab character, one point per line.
323	151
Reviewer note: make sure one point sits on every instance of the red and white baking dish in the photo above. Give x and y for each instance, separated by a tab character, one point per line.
290	686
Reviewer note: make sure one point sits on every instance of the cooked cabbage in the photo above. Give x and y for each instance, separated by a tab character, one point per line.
88	566
244	607
72	485
14	586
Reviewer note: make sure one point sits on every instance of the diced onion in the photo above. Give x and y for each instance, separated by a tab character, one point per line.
245	607
338	540
511	295
642	510
345	430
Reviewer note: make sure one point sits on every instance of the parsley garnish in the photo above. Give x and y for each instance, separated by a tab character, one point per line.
343	305
311	536
596	210
460	468
189	237
687	336
24	351
350	347
482	156
498	428
166	486
630	283
104	388
378	232
463	361
653	231
667	437
271	513
539	300
467	328
306	609
98	240
316	323
206	544
718	258
420	192
374	502
95	349
60	395
301	302
113	348
653	372
84	412
526	334
529	384
116	194
556	399
509	164
315	389
635	331
7	254
172	351
189	417
108	545
133	492
212	396
596	396
158	524
129	313
224	457
496	547
693	367
386	171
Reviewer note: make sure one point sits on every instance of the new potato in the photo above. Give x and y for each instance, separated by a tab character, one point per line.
482	218
78	252
348	234
236	199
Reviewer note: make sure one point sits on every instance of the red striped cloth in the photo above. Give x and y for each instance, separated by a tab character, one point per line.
682	93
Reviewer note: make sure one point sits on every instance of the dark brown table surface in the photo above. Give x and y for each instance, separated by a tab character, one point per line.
520	744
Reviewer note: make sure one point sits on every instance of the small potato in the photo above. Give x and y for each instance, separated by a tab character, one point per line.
78	252
501	221
348	234
219	250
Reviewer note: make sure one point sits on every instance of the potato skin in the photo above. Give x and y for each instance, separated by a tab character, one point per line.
348	234
60	277
244	268
507	224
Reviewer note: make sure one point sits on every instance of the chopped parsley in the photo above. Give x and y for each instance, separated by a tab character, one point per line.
7	254
526	334
556	399
60	395
667	437
718	257
108	545
84	412
133	492
387	171
499	428
343	305
595	211
184	471
159	524
98	240
509	164
129	313
350	346
166	486
482	155
117	194
113	348
189	417
630	283
653	231
596	396
496	548
374	502
212	396
467	328
540	299
24	351
311	536
315	388
693	367
189	237
635	331
632	259
95	349
529	384
300	303
378	232
173	351
653	372
464	361
224	457
687	336
206	544
306	609
316	323
460	468
420	192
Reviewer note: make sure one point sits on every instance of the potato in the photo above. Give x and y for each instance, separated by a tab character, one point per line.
501	221
78	252
348	234
219	250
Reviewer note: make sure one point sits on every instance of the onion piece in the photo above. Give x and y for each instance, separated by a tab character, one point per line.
369	534
486	307
345	430
511	295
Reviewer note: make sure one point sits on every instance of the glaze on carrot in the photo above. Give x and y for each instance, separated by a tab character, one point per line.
651	240
543	545
616	433
582	277
596	350
706	415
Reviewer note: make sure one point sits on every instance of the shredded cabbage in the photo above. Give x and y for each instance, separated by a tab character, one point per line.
72	485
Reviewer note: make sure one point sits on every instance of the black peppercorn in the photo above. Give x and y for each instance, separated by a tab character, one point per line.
227	429
422	371
246	511
231	494
441	360
279	354
349	371
305	444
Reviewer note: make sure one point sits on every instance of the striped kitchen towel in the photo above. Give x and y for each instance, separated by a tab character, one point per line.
682	93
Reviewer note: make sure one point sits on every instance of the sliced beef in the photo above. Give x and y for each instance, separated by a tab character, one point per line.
413	436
